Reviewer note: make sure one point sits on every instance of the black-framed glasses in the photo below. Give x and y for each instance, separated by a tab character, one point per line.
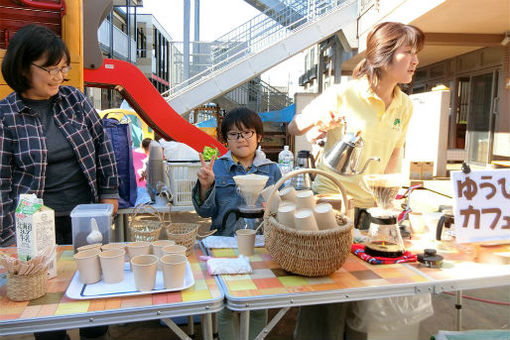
55	70
242	134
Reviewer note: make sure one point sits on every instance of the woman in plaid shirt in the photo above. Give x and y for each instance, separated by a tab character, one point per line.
52	142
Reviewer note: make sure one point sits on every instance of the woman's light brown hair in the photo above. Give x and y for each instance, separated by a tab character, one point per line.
382	42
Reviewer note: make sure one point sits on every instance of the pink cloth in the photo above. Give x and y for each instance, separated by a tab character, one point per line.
139	163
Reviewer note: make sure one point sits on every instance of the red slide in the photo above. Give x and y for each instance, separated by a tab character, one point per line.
143	97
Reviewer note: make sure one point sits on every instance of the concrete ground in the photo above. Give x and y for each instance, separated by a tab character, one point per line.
476	314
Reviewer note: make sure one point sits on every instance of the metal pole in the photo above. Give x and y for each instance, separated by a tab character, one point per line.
186	21
458	307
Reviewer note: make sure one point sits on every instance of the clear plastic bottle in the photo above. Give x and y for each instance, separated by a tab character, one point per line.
260	149
286	161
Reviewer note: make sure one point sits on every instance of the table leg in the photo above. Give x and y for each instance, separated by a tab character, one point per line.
281	313
207	328
191	326
179	332
244	329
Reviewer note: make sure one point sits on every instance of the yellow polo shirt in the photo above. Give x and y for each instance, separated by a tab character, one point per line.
382	131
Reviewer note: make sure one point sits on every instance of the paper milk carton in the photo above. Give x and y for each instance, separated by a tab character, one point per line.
35	230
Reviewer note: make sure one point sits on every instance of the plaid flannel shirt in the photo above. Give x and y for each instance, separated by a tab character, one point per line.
23	152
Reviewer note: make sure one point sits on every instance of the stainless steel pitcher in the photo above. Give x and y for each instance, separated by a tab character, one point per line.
343	158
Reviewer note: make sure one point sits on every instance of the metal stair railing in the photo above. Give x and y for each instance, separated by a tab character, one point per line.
257	34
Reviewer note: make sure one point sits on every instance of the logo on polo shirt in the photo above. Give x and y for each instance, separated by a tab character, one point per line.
396	124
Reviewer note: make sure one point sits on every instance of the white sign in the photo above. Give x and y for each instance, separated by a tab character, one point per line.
481	205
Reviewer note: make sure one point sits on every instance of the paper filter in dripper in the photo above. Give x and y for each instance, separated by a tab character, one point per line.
250	187
384	188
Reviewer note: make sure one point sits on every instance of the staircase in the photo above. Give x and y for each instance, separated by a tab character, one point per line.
260	44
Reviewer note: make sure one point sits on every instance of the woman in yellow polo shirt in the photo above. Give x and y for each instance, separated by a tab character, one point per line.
373	104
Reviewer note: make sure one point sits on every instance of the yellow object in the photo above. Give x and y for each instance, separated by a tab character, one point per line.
123	114
382	131
209	130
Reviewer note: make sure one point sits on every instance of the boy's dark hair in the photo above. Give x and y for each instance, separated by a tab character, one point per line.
241	117
146	142
30	43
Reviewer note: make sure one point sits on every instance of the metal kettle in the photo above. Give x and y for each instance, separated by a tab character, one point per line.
343	157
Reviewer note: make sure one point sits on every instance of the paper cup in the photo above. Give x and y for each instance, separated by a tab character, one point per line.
112	265
157	248
305	199
286	215
87	262
276	198
174	269
305	221
89	247
288	194
137	248
175	249
417	221
246	241
144	271
110	246
325	216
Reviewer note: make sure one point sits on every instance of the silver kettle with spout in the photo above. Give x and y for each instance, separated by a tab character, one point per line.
343	157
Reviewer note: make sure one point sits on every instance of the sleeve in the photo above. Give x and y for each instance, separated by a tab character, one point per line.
208	207
408	108
6	202
107	175
328	101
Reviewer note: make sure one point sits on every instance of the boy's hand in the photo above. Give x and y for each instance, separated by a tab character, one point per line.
205	174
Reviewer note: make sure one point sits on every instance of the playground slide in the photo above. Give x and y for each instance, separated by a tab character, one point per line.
143	97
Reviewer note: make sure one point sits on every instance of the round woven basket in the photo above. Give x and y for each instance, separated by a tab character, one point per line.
27	287
185	234
146	227
308	253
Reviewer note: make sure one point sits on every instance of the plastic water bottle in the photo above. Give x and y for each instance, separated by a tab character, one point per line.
260	149
286	162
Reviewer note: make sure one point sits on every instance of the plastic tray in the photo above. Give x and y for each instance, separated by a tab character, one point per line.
101	290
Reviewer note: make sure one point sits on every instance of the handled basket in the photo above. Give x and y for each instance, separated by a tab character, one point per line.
308	253
185	234
146	227
27	287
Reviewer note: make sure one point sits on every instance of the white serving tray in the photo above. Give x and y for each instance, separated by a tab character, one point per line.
101	290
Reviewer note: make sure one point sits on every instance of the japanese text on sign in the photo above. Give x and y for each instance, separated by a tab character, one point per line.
482	205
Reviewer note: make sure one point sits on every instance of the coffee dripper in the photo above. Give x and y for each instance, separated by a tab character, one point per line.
249	187
384	238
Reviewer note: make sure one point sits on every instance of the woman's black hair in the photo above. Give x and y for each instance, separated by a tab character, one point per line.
242	118
30	43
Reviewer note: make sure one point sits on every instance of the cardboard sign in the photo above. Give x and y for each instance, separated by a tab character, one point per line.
481	205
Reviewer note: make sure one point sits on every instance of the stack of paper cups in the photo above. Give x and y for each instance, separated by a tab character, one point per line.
286	215
288	195
305	221
325	216
305	200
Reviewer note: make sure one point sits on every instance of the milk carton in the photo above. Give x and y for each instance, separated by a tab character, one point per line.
35	230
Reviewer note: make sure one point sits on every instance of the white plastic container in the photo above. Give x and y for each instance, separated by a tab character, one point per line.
81	218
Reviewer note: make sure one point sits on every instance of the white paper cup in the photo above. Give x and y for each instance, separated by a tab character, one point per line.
112	265
417	221
175	249
305	221
89	247
276	198
305	199
157	248
325	216
246	241
288	194
174	269
137	248
144	271
87	262
286	215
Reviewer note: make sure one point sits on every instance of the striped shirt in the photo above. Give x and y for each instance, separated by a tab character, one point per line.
23	151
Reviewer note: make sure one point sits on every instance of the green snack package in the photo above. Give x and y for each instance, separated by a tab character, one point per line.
209	153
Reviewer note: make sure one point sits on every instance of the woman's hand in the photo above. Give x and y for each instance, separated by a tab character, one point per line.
112	201
205	174
329	121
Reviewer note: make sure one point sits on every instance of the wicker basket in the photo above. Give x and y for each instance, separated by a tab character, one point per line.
308	253
145	227
185	234
27	287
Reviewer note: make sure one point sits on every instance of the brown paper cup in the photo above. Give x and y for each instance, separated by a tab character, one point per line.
157	248
286	215
89	247
305	221
246	241
288	194
175	249
137	248
87	262
144	270
325	216
174	269
112	265
305	199
116	245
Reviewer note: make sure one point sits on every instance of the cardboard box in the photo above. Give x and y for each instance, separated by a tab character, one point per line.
427	170
35	230
421	170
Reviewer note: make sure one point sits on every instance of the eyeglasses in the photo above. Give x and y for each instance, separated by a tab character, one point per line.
242	134
55	70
